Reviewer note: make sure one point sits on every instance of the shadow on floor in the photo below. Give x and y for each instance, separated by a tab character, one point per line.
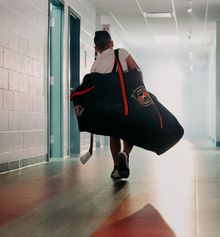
118	185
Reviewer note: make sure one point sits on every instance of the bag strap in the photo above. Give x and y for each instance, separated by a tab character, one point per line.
118	66
116	51
115	63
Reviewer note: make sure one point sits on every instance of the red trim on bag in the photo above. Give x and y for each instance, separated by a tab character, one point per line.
160	117
81	92
124	97
161	122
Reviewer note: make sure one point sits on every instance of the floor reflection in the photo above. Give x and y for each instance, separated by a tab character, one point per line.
146	222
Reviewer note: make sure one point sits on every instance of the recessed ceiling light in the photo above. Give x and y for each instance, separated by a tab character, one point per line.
157	14
189	9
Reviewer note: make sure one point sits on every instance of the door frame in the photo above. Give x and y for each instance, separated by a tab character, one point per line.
73	130
60	4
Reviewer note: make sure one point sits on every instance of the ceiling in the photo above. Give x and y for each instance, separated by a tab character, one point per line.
175	37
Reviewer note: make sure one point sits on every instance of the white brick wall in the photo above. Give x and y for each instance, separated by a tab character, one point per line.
4	125
3	78
1	57
23	73
9	100
8	59
1	98
23	60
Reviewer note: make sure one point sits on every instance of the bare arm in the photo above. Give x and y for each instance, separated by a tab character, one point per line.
133	65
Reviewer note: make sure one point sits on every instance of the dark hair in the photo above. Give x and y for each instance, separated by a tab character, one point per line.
102	39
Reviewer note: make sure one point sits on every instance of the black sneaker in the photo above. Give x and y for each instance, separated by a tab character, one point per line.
115	173
123	167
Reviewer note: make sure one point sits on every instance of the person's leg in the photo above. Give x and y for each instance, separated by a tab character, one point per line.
127	147
123	159
115	147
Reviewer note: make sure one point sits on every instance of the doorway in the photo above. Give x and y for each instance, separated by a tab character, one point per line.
74	46
56	78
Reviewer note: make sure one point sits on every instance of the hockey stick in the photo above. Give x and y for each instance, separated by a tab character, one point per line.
88	154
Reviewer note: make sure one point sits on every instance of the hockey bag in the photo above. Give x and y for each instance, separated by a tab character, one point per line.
117	104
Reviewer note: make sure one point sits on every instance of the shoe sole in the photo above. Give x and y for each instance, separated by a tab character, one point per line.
116	177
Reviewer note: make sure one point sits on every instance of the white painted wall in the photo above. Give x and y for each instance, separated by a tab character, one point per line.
183	92
214	86
217	83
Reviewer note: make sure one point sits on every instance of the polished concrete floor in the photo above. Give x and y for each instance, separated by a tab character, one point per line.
173	195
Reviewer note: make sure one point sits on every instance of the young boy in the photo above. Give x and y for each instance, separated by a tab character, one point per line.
104	64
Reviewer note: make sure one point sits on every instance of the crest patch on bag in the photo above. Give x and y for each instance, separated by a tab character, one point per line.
79	110
142	96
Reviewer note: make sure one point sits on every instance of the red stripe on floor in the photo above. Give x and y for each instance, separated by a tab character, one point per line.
125	222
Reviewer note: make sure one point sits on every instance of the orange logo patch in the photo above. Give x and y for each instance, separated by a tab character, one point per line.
142	96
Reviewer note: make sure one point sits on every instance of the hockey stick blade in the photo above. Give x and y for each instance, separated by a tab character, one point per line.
85	157
88	154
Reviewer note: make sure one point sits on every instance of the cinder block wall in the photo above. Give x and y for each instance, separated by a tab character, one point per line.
23	77
23	92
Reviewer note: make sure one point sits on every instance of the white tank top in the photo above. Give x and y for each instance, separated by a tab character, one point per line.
105	61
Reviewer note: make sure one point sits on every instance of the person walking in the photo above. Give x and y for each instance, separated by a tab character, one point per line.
104	63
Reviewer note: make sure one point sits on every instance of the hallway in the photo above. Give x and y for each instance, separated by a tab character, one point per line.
174	195
46	49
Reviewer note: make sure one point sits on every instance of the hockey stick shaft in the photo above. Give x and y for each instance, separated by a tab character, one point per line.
88	154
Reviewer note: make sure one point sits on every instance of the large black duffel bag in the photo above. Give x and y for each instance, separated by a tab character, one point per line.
117	104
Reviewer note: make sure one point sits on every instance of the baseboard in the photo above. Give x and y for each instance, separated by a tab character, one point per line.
17	164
